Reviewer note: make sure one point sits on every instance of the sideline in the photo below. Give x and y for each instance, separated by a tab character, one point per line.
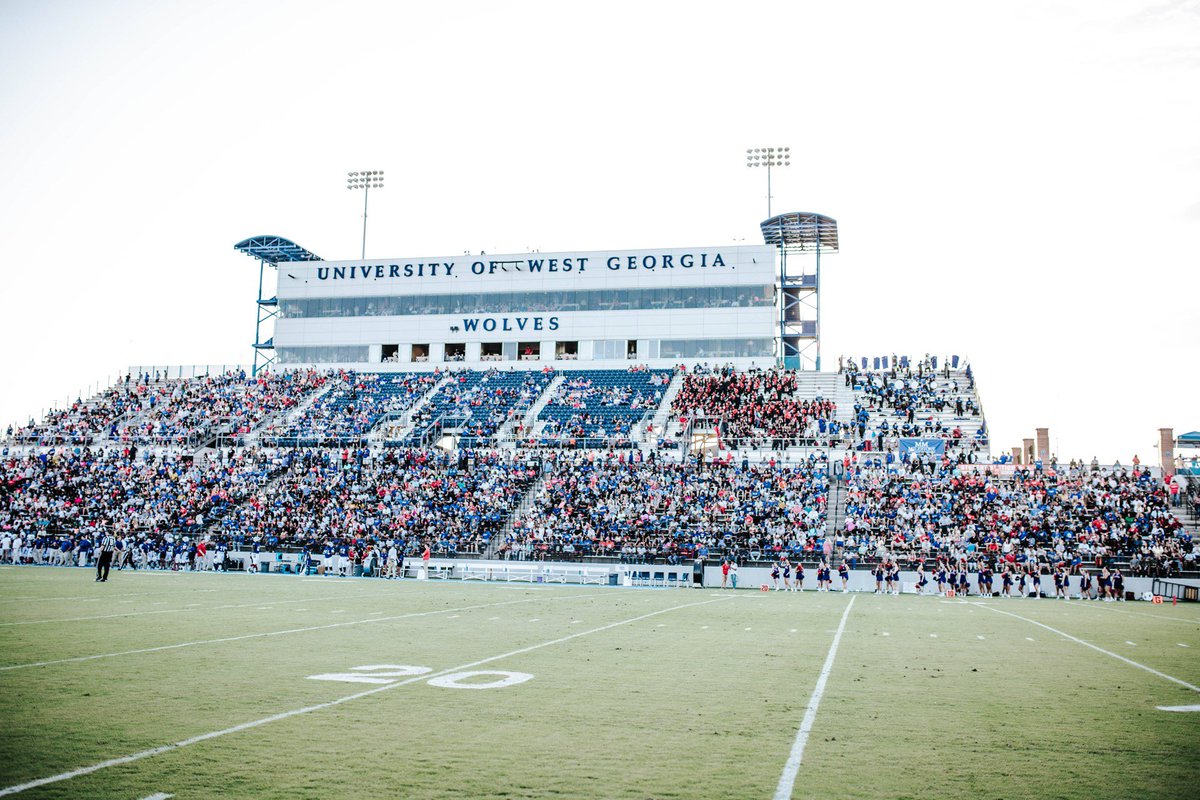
787	780
284	632
204	737
1128	661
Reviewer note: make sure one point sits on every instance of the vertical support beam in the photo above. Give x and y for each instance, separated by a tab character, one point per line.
818	322
1166	450
1028	451
1043	445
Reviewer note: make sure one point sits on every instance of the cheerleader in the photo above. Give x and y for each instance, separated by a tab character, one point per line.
1085	585
785	567
1059	591
1104	586
1118	585
878	578
1006	581
922	581
894	577
775	576
964	581
887	575
844	574
1035	578
941	579
798	583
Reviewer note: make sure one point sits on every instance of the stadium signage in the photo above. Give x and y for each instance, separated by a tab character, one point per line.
529	265
489	324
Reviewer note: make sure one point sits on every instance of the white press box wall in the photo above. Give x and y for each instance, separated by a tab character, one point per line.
488	276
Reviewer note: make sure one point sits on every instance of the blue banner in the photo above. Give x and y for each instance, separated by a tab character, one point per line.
922	448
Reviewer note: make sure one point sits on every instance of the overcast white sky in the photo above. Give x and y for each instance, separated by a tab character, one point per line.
1019	182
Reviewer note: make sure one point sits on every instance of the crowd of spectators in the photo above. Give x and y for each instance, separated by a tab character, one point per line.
756	408
913	400
646	509
600	408
77	493
181	411
351	407
453	502
1073	516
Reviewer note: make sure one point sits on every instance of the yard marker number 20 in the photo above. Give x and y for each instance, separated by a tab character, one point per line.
390	673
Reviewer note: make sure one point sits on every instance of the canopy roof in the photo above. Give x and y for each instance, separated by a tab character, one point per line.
274	250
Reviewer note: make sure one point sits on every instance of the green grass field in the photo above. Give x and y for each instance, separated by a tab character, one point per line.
635	693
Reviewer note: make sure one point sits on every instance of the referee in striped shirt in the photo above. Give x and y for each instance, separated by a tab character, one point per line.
108	546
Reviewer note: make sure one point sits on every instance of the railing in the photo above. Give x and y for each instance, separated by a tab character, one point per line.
170	371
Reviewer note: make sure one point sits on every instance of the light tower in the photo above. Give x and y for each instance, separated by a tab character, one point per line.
366	180
768	157
801	239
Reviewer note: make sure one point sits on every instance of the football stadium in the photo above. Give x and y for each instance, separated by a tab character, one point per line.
595	472
593	523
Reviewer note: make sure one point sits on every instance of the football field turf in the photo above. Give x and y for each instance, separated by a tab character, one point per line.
200	686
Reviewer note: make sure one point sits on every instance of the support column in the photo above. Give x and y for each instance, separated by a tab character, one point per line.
1166	450
1016	455
1043	445
1028	451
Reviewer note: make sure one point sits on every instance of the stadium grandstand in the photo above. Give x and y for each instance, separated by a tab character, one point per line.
603	408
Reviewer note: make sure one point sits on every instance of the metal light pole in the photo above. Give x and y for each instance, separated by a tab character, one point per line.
768	157
365	180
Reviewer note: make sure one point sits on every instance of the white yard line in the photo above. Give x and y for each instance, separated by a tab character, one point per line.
1108	609
159	796
278	633
1129	661
190	607
787	780
204	737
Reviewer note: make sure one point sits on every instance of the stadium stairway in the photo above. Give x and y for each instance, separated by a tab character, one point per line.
529	419
662	416
494	543
835	508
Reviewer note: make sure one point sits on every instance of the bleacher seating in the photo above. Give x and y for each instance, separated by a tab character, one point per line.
600	408
477	404
351	407
301	469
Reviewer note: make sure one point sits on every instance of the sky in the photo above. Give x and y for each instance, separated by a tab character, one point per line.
1015	182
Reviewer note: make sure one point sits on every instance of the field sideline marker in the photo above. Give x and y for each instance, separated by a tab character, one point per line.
788	779
204	737
274	633
1129	661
